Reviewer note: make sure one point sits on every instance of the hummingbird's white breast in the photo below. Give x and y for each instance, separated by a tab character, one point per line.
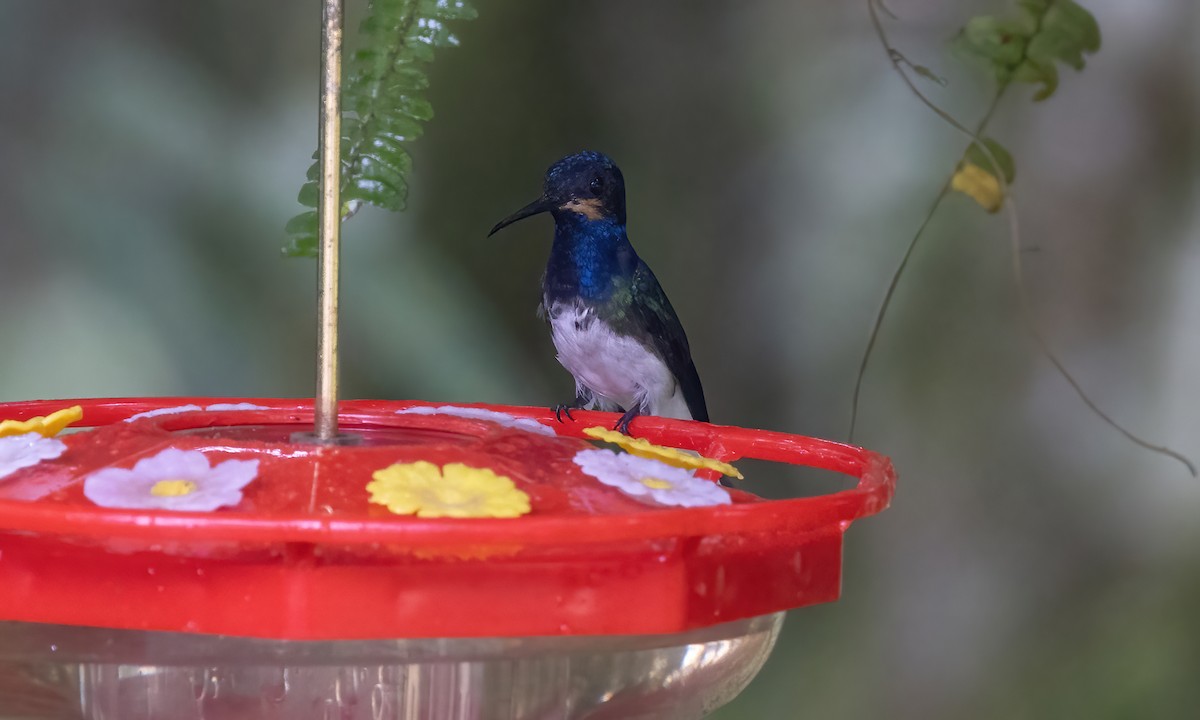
611	369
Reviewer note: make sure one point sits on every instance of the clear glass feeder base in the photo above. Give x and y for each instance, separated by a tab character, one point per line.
52	672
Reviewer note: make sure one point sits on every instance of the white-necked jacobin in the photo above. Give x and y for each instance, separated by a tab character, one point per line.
613	327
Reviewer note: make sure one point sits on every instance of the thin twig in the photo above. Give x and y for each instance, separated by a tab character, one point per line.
1031	324
887	301
1035	330
898	61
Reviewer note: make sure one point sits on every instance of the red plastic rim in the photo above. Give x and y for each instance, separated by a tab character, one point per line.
279	568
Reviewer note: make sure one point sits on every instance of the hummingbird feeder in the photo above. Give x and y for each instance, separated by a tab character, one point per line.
210	559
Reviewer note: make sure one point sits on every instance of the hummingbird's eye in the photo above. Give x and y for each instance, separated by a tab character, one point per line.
597	185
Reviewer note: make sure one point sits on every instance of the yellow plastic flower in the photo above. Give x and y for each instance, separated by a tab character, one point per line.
671	456
979	184
455	490
47	426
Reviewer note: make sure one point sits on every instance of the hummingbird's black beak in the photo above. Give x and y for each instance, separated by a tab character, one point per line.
536	207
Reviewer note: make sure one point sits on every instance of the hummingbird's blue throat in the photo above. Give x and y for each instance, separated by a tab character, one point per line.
587	256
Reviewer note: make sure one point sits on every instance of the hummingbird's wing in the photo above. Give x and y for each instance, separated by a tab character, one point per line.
652	312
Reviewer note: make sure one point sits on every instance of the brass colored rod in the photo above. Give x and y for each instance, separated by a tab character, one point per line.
330	218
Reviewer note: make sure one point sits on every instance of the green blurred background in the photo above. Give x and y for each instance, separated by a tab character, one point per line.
1033	565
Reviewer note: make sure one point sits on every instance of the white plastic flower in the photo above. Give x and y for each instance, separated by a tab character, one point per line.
25	450
644	478
225	407
215	407
511	421
164	411
171	480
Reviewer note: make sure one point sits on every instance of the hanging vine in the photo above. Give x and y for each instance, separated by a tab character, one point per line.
1025	46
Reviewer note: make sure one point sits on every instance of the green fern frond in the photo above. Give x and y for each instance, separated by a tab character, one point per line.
383	109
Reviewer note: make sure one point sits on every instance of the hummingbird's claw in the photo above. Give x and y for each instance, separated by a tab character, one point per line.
623	424
561	409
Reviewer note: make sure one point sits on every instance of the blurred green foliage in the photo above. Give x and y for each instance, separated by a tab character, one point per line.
1026	47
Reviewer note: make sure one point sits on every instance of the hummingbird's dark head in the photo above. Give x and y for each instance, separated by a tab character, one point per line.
587	185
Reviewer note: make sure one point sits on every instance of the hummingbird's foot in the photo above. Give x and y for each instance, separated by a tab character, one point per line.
623	424
566	408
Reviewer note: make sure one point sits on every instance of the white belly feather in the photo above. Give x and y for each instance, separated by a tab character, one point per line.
614	370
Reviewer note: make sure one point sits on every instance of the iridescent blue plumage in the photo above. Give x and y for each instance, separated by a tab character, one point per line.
611	322
585	257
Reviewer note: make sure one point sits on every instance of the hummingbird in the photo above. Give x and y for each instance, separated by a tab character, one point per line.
612	325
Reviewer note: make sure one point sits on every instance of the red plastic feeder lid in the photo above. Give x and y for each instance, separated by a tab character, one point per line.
303	553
